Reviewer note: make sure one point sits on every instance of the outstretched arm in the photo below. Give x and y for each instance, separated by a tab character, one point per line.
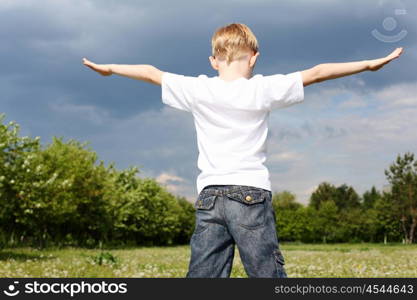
146	73
329	71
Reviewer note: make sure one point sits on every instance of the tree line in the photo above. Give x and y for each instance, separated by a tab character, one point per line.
339	214
61	194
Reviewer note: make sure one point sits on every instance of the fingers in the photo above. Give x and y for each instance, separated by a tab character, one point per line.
89	63
396	53
101	69
399	51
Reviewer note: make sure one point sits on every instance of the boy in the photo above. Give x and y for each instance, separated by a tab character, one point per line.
234	204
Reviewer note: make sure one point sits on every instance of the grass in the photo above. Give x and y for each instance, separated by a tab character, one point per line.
302	260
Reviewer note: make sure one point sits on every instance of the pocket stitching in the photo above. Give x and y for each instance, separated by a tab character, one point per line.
258	199
205	202
256	196
253	227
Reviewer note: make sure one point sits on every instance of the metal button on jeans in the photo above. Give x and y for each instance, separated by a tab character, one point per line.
248	198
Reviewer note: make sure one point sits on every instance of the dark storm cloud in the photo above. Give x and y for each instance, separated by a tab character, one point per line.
43	42
46	89
43	50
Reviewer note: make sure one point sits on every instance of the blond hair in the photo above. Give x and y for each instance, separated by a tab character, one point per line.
232	41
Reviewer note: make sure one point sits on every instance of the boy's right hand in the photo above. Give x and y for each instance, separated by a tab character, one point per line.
102	69
377	64
328	71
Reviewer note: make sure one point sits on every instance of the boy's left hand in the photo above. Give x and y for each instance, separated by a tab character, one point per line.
102	69
377	64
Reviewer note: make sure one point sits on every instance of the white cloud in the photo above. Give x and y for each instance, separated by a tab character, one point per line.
91	113
177	185
167	177
354	102
284	157
400	95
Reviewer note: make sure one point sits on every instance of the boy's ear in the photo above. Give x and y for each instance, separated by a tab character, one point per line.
252	60
214	63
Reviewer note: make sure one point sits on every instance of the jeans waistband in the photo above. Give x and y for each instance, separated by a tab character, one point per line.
225	189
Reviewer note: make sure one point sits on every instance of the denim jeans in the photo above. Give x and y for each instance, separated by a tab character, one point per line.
229	215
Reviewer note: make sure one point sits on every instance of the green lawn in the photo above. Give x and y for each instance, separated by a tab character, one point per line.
302	260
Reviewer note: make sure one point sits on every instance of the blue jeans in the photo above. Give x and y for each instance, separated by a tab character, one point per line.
235	214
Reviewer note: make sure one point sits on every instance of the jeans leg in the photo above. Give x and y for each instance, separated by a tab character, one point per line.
211	257
252	225
212	246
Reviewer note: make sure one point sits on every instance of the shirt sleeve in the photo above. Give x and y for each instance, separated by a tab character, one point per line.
177	90
282	90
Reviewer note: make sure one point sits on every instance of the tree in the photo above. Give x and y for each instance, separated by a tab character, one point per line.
324	192
291	223
147	214
16	156
57	192
285	200
386	222
327	221
62	194
402	175
370	198
186	221
345	197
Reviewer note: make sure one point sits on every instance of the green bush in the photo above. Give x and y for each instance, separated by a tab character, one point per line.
61	194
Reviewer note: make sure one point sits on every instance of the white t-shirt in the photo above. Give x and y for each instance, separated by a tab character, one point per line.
231	122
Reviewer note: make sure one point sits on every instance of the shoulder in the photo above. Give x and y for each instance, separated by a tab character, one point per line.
180	77
257	77
279	79
288	76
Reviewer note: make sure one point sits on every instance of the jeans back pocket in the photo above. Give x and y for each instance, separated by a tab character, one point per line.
205	201
248	207
204	211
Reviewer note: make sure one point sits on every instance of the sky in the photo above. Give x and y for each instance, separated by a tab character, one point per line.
347	130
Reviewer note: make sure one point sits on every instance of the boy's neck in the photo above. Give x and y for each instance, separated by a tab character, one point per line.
234	71
234	76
